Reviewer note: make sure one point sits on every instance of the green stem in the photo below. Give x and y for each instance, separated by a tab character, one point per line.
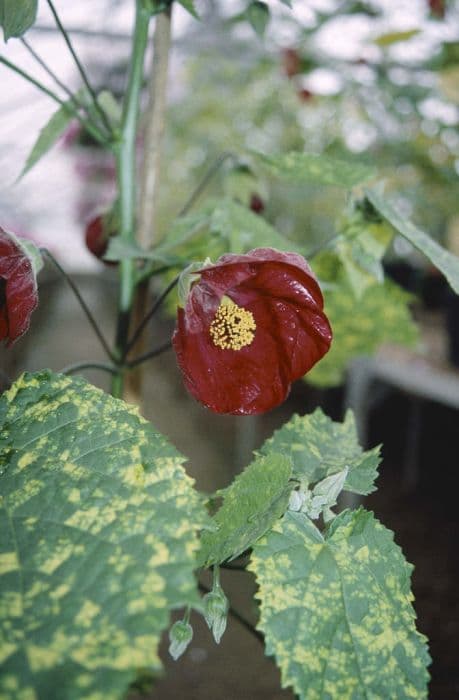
78	366
323	246
215	577
126	173
214	168
186	617
149	355
84	306
80	68
93	130
150	314
51	73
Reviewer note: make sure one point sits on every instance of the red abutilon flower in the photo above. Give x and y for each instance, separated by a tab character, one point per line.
19	264
98	232
251	325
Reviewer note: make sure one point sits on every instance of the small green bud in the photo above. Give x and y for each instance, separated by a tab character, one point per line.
215	612
180	635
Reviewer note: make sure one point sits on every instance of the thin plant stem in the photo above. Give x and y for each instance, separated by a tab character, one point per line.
82	303
237	616
149	355
92	129
322	246
84	32
148	271
126	176
51	73
214	168
150	314
233	567
80	67
78	366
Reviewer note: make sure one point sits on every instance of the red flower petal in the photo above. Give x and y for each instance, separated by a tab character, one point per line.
18	289
279	292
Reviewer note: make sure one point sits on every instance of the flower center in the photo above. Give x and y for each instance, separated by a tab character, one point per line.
233	327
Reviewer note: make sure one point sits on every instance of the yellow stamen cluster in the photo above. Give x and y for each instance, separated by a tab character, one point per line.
233	327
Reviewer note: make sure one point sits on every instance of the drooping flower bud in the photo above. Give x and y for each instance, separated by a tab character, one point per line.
180	635
215	611
98	232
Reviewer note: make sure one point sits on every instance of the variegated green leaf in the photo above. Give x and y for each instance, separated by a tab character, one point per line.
445	261
302	168
337	612
319	447
381	315
17	16
251	504
98	522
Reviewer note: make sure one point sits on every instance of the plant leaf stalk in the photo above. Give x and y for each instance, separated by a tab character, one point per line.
88	125
80	366
51	73
150	315
80	68
83	304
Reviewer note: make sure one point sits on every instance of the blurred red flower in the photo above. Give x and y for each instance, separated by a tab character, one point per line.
251	325
291	62
98	232
437	8
18	287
